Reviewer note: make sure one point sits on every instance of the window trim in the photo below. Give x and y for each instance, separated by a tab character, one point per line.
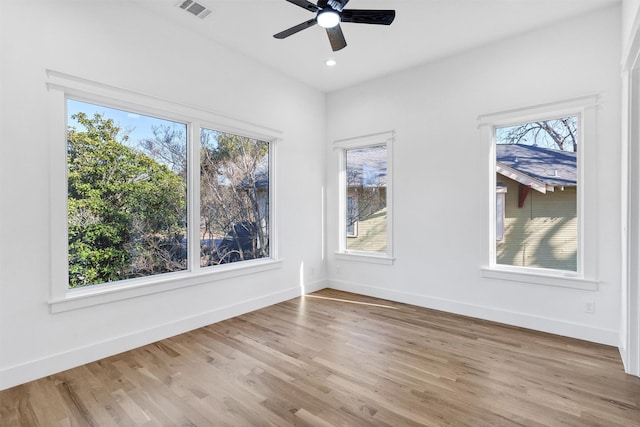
341	146
585	277
63	86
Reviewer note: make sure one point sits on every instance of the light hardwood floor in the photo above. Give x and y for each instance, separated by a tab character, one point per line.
339	359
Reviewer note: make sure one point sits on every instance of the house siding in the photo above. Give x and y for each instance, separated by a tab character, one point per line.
372	233
543	233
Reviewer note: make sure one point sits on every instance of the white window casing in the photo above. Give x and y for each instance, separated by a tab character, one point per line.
384	139
585	277
63	86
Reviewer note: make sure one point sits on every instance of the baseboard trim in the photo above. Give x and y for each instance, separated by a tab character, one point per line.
315	286
538	323
49	365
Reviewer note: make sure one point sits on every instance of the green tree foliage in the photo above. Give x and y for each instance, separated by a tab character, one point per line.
126	211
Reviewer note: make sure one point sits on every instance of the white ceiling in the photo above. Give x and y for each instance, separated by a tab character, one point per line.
423	31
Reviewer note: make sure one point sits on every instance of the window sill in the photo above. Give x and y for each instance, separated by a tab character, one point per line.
383	259
551	278
106	293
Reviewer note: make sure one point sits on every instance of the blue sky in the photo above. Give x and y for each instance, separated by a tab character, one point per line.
140	125
543	139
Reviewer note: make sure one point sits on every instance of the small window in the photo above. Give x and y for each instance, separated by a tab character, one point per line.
367	187
127	195
365	192
536	203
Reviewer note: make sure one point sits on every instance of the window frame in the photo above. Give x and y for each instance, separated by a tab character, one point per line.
62	87
271	222
354	225
342	146
585	276
500	211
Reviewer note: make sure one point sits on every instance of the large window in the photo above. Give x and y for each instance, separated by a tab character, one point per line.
365	195
148	196
127	213
131	211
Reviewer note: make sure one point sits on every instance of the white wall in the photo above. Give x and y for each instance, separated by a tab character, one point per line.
441	226
630	11
116	44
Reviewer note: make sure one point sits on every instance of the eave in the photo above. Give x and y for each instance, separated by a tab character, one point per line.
523	178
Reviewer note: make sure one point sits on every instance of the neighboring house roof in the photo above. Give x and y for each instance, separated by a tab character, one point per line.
543	169
261	175
262	172
367	167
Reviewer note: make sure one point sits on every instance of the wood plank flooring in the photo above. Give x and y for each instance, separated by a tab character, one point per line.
339	359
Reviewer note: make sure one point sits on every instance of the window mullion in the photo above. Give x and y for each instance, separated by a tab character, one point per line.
193	195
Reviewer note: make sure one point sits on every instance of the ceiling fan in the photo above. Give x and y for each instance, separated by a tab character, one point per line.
329	15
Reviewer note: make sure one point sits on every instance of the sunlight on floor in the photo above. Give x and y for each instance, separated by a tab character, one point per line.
302	290
351	301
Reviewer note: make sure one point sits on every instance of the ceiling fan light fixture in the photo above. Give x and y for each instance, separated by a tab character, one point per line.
328	18
329	14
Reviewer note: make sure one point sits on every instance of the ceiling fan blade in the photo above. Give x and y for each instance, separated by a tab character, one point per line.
368	16
337	4
336	38
295	29
305	5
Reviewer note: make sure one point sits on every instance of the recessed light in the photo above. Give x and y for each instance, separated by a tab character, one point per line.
330	62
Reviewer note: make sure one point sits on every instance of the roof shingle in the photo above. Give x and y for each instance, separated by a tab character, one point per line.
552	167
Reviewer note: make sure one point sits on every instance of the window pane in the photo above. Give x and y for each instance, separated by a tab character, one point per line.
234	198
126	194
366	216
536	172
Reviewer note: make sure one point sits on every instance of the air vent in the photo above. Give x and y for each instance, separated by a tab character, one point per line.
195	8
